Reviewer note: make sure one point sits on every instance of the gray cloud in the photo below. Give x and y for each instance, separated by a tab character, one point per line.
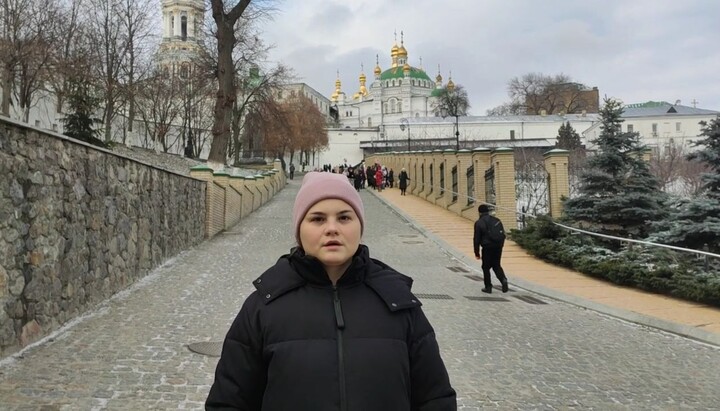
636	51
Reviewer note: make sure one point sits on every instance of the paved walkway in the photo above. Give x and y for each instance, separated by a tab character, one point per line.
695	320
520	350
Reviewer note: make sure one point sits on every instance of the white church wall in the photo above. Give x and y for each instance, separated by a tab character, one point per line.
669	130
344	147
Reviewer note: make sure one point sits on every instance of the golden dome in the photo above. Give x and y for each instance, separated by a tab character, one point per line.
394	51
438	78
377	70
337	83
362	77
402	52
450	85
406	67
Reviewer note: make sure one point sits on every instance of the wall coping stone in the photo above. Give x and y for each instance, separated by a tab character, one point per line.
555	151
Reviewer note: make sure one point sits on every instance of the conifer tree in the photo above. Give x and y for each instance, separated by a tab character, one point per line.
568	138
696	223
618	194
79	123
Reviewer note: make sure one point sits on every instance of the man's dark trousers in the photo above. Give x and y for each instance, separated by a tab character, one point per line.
491	256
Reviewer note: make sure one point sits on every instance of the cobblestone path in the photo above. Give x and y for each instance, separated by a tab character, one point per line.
511	351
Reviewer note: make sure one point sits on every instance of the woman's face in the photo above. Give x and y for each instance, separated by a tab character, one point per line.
330	232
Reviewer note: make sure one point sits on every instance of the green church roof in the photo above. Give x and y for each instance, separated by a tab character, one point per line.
397	72
437	92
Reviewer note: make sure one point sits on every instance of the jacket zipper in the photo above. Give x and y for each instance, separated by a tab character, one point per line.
340	322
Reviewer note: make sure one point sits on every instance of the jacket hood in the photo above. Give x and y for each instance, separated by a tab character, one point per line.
297	269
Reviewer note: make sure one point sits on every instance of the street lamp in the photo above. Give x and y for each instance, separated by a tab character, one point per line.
403	124
445	113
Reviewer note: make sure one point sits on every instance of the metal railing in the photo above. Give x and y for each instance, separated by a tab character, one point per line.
522	215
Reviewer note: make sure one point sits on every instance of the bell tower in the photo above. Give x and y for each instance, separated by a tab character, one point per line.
182	22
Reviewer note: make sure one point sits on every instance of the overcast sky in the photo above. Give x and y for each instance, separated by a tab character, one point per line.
636	50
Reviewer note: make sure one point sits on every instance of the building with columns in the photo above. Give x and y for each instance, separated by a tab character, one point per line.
181	35
399	91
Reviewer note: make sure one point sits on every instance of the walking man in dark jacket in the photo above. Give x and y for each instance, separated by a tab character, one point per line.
490	234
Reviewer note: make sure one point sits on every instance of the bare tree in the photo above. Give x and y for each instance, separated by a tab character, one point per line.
535	93
107	32
453	102
197	110
254	89
676	173
36	52
70	64
237	46
226	94
158	102
19	46
135	17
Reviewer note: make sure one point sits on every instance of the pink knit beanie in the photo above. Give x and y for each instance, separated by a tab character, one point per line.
317	186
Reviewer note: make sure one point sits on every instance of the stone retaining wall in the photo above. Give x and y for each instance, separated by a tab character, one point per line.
79	224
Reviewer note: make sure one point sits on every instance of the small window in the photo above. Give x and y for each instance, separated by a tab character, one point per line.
54	127
654	129
630	128
183	28
512	134
37	123
678	127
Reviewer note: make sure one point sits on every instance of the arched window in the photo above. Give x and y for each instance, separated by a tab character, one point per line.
399	106
369	122
183	28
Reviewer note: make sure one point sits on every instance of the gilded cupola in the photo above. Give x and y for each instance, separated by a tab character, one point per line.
377	70
338	90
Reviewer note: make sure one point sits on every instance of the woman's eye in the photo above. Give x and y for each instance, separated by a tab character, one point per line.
315	219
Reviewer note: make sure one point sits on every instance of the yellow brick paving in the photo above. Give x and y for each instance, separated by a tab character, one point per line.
692	319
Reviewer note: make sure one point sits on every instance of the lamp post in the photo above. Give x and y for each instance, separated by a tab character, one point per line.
403	124
445	113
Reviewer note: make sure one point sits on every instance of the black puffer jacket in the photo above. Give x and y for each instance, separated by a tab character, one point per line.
299	343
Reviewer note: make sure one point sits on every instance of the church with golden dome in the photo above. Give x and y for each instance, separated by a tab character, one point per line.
399	91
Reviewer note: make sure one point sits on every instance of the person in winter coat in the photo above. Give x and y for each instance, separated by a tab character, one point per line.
328	327
379	178
403	181
491	247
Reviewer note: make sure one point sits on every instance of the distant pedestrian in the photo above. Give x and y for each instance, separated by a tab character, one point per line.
292	171
403	181
328	327
378	179
391	177
490	234
358	178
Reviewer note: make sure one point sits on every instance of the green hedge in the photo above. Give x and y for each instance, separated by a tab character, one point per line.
651	269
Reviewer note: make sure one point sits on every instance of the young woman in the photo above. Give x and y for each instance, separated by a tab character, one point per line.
329	328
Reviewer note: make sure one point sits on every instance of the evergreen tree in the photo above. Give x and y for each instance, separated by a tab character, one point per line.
568	138
696	222
618	194
79	123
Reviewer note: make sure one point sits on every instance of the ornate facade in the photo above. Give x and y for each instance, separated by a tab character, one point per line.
400	91
181	35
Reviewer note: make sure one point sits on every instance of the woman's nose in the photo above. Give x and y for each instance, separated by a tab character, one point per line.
331	226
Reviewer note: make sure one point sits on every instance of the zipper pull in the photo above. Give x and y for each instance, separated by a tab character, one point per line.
338	309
